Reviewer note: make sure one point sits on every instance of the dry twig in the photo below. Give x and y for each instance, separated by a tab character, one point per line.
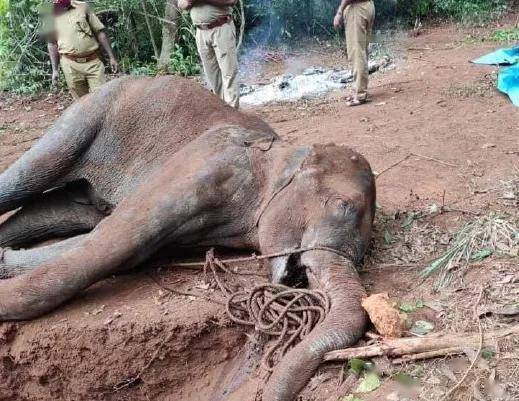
478	353
416	155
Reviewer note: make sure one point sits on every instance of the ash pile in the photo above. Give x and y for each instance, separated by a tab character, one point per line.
313	82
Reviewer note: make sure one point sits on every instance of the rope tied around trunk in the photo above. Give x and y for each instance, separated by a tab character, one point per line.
286	314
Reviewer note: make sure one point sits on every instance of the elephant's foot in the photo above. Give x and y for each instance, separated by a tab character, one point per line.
17	262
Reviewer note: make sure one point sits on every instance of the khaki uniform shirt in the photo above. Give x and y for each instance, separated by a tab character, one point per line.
206	13
76	29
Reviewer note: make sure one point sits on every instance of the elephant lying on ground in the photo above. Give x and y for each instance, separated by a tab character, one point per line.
145	164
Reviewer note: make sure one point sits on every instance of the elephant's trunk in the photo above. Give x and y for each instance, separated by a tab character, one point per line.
343	326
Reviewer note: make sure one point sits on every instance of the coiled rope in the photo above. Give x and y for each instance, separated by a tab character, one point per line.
285	314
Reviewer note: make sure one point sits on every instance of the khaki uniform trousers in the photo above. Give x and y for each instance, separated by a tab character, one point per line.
358	20
83	78
217	48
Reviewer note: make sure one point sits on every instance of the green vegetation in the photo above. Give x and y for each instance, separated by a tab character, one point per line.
465	11
505	35
480	239
138	28
25	66
20	49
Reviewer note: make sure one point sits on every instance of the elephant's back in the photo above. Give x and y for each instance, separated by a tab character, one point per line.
149	120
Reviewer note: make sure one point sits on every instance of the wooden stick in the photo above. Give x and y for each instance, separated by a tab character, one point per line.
434	160
394	165
420	48
427	355
399	347
416	155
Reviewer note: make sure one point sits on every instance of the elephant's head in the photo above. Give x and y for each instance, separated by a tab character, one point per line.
328	201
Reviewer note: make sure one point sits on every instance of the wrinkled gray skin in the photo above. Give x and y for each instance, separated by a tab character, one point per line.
145	164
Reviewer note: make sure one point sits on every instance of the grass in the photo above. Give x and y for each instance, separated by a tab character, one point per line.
477	240
509	191
505	35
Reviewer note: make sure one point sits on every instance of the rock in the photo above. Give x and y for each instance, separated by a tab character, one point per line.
388	321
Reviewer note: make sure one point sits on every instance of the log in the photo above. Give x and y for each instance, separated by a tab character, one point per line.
425	347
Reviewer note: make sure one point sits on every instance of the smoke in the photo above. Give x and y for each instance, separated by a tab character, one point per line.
283	22
280	21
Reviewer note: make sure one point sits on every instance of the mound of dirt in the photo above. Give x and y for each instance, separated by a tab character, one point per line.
123	339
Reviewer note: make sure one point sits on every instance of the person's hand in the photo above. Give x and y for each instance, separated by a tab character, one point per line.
337	21
55	78
114	65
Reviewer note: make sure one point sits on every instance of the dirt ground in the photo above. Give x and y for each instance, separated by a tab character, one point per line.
436	131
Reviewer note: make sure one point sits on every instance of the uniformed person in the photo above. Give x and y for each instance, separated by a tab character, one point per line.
74	35
216	43
358	17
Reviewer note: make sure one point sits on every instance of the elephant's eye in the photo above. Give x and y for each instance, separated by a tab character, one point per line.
339	205
342	205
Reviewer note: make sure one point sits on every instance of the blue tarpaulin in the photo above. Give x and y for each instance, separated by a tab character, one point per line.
508	78
508	82
501	56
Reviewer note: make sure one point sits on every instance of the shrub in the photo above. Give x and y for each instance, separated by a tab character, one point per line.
25	67
470	10
23	61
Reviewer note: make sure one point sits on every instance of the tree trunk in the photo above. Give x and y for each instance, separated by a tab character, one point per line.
169	34
150	29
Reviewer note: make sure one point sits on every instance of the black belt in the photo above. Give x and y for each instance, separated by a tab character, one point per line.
215	24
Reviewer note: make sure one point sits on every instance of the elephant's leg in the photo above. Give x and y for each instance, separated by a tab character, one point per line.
166	208
56	214
54	155
14	263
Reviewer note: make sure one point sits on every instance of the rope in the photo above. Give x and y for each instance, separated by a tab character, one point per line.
286	314
255	257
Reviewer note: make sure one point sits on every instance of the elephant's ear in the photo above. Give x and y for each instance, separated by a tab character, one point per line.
252	139
292	165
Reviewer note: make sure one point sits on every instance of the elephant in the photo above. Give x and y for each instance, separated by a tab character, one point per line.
149	164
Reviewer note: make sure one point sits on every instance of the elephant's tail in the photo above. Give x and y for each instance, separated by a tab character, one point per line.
54	155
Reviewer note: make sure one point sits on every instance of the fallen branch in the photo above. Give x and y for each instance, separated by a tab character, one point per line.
429	345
